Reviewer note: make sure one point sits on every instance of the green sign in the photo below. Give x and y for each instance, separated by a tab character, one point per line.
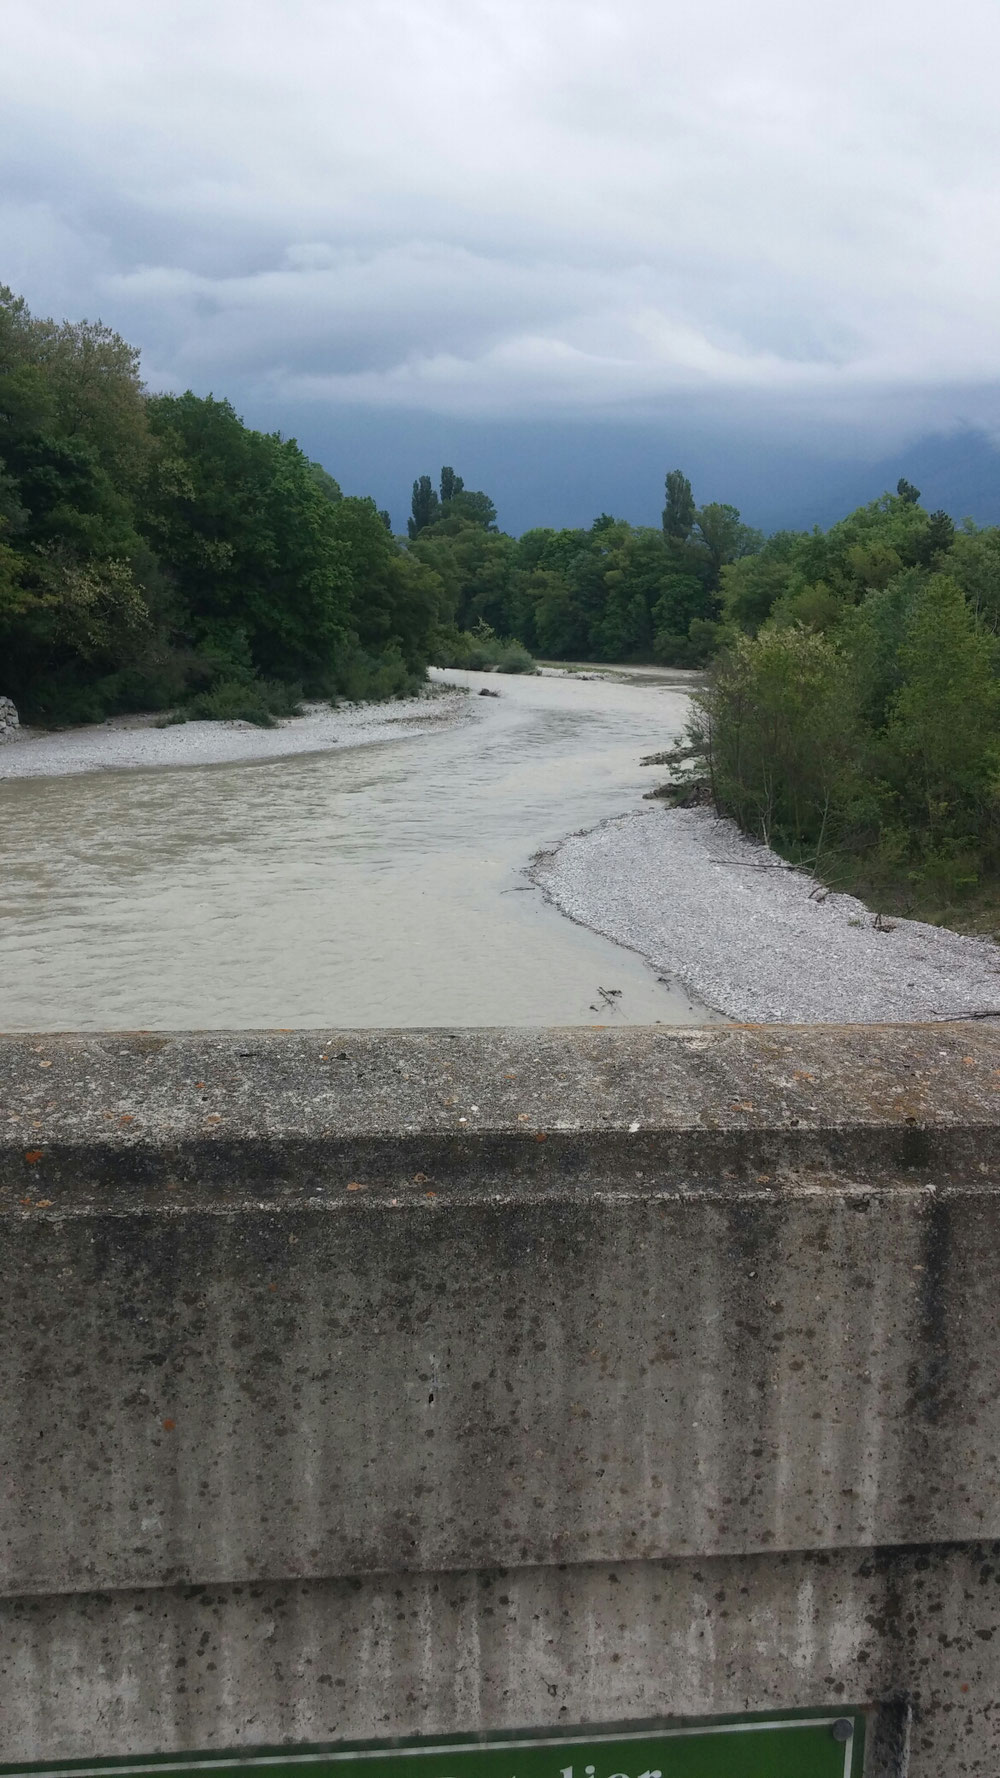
781	1746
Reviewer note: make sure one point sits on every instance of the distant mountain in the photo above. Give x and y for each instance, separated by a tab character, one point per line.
958	471
566	472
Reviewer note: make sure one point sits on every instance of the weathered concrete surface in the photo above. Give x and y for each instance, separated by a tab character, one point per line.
112	1096
286	1312
215	1667
338	1332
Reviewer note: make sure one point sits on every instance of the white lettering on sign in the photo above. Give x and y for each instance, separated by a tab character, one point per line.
589	1771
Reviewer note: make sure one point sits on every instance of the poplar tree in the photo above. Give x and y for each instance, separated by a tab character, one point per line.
678	514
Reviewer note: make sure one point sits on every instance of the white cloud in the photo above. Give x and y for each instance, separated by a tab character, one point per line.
491	207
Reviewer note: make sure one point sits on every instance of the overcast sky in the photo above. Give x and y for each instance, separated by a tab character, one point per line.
496	211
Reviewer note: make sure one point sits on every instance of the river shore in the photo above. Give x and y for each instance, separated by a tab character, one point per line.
370	890
138	741
759	942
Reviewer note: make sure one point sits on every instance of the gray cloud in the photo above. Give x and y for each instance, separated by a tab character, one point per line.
486	207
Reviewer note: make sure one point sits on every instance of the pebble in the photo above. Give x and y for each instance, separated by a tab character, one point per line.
697	900
136	741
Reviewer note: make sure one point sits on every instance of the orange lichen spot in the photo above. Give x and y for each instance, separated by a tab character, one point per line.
44	1204
33	1155
430	1194
420	1178
199	1083
168	1425
541	1135
355	1185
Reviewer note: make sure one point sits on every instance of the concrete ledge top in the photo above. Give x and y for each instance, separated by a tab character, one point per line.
119	1097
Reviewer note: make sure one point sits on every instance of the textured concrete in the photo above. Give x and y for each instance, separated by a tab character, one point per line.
287	1312
215	1667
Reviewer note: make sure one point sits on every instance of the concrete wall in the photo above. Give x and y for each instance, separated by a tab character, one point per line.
371	1384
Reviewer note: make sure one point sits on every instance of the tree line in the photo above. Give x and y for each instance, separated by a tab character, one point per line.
613	592
157	553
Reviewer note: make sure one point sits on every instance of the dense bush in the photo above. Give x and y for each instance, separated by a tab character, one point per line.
514	658
481	651
870	748
239	700
363	678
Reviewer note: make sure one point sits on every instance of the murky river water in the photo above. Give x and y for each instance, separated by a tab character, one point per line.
374	886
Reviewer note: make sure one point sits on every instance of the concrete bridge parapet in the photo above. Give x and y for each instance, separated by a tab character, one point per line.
370	1384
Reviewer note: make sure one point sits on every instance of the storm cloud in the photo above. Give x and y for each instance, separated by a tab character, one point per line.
490	209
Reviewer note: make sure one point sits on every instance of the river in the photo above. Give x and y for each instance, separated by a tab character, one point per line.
377	885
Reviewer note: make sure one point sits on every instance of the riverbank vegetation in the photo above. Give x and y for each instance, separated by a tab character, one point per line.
157	553
851	715
851	718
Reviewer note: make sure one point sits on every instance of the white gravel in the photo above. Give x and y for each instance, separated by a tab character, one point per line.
698	901
126	741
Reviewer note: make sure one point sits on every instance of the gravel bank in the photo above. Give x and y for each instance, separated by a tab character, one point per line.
697	900
127	741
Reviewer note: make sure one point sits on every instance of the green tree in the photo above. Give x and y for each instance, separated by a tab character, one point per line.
394	597
679	512
471	506
74	443
942	732
772	724
724	536
425	508
751	586
974	562
325	483
937	540
249	542
559	624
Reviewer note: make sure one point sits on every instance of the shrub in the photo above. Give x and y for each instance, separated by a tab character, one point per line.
362	678
481	651
515	659
772	722
237	700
